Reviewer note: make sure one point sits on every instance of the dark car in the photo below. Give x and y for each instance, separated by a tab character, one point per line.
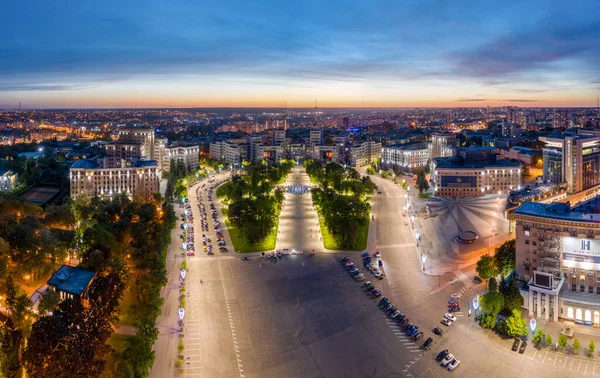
417	336
427	343
438	331
407	327
523	347
376	294
454	309
369	288
440	356
366	254
382	300
515	345
404	322
344	259
477	280
399	318
412	331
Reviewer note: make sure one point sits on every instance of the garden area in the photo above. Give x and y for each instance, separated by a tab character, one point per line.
342	204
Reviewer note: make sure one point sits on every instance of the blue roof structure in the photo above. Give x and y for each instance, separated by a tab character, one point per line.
71	279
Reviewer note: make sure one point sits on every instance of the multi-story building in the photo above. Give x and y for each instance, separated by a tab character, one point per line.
107	176
511	130
278	137
316	137
572	159
126	150
139	135
253	141
364	153
441	143
558	255
188	155
228	152
160	144
452	179
561	118
8	180
406	156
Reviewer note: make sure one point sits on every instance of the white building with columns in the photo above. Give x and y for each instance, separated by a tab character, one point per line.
558	257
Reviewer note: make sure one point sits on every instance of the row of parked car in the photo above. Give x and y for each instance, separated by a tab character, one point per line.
220	238
373	267
447	360
412	331
352	269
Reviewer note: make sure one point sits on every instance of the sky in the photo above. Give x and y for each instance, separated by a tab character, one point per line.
227	53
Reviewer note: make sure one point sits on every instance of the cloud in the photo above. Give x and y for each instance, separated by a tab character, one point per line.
521	100
472	99
46	87
493	99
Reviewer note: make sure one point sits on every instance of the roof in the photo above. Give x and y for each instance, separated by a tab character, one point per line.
588	211
499	164
71	279
85	164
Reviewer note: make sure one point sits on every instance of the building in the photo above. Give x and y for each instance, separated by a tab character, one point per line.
72	283
188	155
228	152
278	137
364	153
253	141
558	255
523	154
139	135
108	176
561	118
160	144
316	137
126	150
440	143
406	156
451	178
8	180
511	130
573	159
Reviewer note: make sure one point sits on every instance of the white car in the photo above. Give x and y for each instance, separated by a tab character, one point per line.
447	360
450	317
447	322
456	296
453	364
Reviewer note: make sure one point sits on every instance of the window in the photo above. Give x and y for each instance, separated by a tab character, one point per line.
582	288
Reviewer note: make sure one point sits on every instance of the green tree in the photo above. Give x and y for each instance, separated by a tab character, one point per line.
515	324
492	285
576	345
48	302
422	183
504	258
512	297
492	304
485	267
562	341
591	348
548	339
538	336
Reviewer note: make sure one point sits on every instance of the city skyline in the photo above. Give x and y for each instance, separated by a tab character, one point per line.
341	54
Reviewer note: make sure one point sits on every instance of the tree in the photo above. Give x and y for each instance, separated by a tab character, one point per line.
512	296
592	348
492	304
492	285
504	258
562	341
485	267
576	345
538	336
48	302
548	339
422	183
515	324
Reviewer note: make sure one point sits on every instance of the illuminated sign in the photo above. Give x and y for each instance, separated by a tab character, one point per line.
581	253
459	181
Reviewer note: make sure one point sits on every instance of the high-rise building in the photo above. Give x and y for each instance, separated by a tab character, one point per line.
346	123
364	153
441	143
253	141
316	137
230	153
188	155
139	135
561	118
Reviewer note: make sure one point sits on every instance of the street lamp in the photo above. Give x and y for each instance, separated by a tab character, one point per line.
423	259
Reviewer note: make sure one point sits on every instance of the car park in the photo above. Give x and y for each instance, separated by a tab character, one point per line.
449	357
438	331
453	364
515	346
450	317
441	355
427	344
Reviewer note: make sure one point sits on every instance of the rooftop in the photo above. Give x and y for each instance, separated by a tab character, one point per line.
71	279
500	164
588	211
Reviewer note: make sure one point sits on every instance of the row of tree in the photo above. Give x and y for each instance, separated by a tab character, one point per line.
254	202
540	339
341	200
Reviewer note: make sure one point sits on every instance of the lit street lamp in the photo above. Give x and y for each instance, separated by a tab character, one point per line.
423	259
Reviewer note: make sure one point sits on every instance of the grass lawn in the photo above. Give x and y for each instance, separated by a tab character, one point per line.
119	343
125	317
330	243
424	195
221	190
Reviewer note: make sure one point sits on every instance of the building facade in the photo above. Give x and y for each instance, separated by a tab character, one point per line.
139	135
440	143
475	180
230	153
406	156
363	154
8	180
558	255
107	176
188	155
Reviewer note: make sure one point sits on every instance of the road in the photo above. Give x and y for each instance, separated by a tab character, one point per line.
304	316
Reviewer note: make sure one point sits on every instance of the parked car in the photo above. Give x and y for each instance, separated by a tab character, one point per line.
453	364
360	277
451	317
426	344
446	322
456	296
515	346
440	356
376	294
407	327
477	280
438	331
404	322
454	309
417	336
523	347
399	318
449	357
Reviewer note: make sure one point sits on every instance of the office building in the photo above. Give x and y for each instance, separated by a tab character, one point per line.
188	155
558	255
126	150
316	137
457	177
363	153
228	152
253	142
139	135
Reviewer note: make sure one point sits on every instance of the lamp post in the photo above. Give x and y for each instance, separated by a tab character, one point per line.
423	259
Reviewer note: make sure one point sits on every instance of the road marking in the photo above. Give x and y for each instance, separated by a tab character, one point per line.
533	357
237	351
565	364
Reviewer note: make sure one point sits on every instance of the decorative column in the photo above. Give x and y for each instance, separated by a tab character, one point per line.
530	301
539	305
556	308
547	307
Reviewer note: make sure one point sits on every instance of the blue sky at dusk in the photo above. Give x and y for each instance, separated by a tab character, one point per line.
278	53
